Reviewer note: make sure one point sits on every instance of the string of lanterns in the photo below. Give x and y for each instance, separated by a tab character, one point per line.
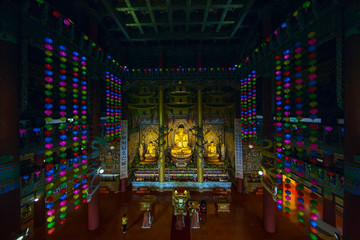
313	131
62	129
299	129
113	107
78	133
248	108
84	127
281	28
117	107
76	128
287	130
151	70
49	133
278	128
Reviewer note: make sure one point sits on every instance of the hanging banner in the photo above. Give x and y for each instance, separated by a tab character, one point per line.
124	149
239	171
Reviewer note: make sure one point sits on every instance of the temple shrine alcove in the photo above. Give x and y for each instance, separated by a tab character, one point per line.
174	141
148	146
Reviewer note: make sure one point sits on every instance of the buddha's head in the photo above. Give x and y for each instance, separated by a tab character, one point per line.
212	143
150	144
181	129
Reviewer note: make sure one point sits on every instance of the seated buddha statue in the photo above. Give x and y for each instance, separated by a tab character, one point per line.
181	141
212	154
150	154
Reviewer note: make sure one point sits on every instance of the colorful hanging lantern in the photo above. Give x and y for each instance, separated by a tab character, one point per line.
63	136
299	93
76	128
49	187
84	157
248	108
313	131
278	128
287	130
113	107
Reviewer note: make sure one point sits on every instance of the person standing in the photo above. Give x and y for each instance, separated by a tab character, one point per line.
124	223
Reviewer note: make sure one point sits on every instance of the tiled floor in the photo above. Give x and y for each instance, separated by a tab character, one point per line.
244	221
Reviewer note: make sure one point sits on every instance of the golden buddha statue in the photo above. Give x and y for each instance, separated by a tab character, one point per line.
212	154
150	154
181	141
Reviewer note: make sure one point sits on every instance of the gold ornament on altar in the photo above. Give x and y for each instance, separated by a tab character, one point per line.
179	200
212	154
149	143
150	154
212	140
106	151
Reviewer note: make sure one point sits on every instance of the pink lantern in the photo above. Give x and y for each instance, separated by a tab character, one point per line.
329	128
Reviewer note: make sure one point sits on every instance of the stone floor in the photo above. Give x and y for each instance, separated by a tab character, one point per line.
244	221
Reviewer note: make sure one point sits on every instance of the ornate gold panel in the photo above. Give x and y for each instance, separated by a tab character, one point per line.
230	147
133	146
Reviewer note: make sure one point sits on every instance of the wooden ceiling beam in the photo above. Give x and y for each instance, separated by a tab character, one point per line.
152	16
223	16
170	13
115	18
206	14
164	8
242	16
134	16
188	4
181	36
176	23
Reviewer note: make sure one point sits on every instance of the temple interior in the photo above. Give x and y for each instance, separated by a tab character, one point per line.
179	119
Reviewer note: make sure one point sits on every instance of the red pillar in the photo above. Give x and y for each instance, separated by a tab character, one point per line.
9	140
268	126
328	159
94	204
329	211
39	205
199	59
123	183
239	185
351	136
268	209
94	31
94	210
329	214
161	60
39	211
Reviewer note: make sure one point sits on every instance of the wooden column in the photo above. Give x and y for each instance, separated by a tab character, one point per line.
161	142
329	211
9	139
351	136
94	204
268	209
39	205
329	208
268	126
200	177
